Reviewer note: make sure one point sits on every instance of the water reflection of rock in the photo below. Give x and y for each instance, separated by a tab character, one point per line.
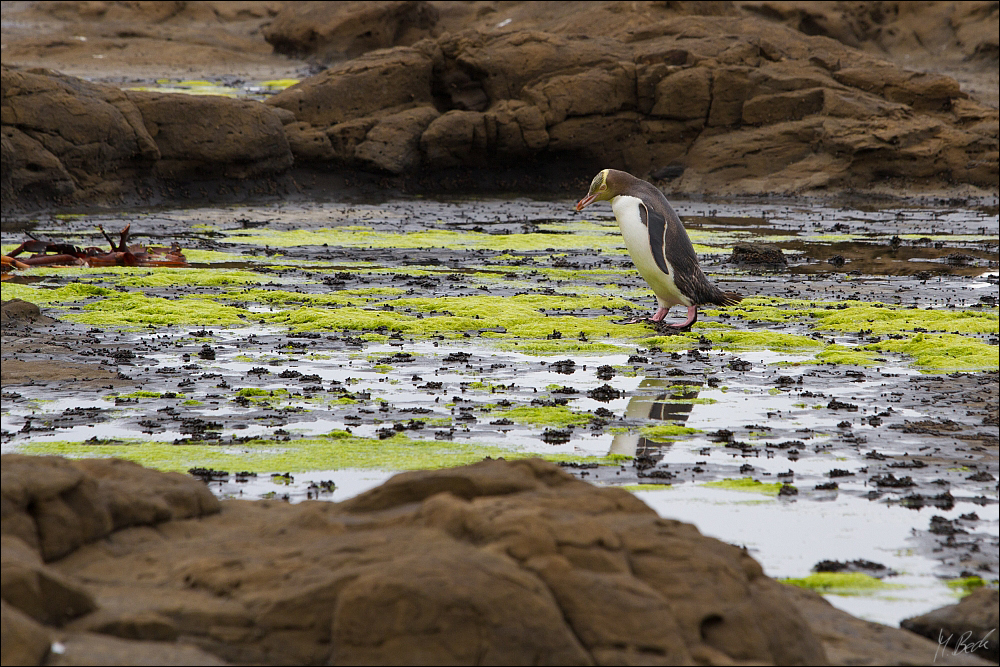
665	405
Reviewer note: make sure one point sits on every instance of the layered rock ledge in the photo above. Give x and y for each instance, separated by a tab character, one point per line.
720	105
513	563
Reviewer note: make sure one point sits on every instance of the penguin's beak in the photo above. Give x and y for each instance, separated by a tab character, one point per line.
586	201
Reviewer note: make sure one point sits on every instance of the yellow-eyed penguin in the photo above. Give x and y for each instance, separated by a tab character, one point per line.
658	243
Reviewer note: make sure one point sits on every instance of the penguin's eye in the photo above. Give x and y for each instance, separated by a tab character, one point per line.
603	187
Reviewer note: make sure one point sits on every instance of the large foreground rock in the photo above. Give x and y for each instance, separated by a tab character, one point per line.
491	563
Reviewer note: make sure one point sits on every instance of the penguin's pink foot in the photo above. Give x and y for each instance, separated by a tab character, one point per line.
692	317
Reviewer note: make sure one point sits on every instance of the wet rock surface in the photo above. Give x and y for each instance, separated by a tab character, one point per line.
269	582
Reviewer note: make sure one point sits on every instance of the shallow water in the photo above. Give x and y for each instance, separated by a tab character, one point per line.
327	308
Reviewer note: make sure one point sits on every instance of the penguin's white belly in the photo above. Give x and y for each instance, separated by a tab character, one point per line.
637	242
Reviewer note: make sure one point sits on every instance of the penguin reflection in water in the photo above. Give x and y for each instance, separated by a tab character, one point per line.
659	245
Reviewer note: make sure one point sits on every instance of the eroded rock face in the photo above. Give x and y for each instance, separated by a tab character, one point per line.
724	99
201	136
62	135
739	105
332	31
65	140
54	505
497	562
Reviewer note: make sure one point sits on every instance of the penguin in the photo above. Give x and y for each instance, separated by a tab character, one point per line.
658	244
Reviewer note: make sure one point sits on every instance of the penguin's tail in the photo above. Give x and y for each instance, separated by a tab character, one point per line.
730	298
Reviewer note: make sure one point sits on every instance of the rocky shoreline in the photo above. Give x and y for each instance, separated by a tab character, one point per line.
726	104
106	562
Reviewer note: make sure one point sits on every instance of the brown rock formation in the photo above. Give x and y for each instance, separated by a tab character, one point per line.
62	135
66	141
972	625
719	98
743	105
202	136
332	31
55	506
495	562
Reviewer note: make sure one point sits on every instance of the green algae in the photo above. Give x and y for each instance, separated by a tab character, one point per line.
755	340
842	354
647	487
279	84
44	295
548	348
840	583
965	585
944	352
745	484
522	316
358	236
173	277
882	319
931	351
333	451
558	415
339	319
138	310
142	393
662	432
876	318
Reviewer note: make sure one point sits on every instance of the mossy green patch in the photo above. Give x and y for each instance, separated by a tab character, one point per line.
842	354
142	393
878	318
543	348
333	451
284	297
171	277
647	487
745	484
965	585
944	352
135	310
521	322
756	340
336	319
882	319
278	84
45	296
558	415
663	432
840	583
358	236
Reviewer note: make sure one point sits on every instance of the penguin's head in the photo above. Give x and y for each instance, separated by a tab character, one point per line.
604	187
